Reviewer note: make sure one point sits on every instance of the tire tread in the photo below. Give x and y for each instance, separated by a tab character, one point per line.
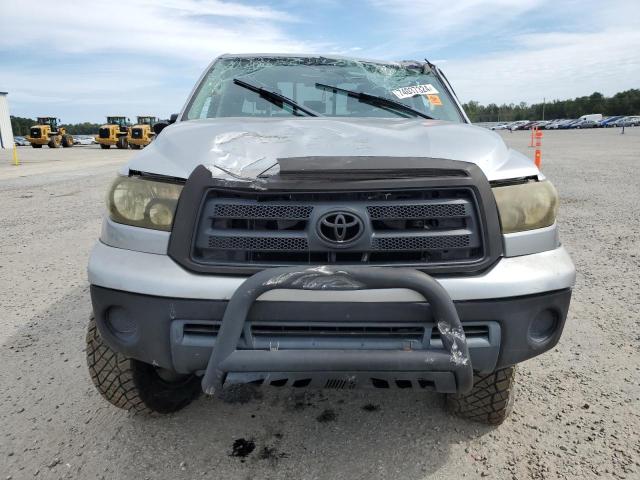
491	399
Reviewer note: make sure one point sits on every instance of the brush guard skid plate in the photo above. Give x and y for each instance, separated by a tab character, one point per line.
226	358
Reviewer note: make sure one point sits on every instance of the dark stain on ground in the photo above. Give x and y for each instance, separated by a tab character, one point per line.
302	405
240	394
271	453
327	416
300	401
241	448
370	407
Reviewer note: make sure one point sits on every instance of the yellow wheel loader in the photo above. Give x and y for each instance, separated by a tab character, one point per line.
114	132
47	132
141	134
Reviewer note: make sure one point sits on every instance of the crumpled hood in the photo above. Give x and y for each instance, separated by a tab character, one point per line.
246	147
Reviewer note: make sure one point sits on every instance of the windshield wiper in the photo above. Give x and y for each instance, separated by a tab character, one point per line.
375	100
275	97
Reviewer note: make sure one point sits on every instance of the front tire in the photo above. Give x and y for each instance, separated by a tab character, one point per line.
67	141
104	147
54	142
134	146
36	145
491	399
133	385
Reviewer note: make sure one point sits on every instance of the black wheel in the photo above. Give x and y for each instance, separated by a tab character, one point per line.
67	141
103	146
122	142
36	145
54	142
491	399
133	385
134	146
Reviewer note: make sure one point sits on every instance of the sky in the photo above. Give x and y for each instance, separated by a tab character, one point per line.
81	60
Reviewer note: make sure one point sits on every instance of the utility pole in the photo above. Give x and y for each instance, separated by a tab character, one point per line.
544	100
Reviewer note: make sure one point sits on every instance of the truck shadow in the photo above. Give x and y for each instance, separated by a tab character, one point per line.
52	411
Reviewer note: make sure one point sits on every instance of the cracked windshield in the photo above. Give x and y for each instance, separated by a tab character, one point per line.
294	86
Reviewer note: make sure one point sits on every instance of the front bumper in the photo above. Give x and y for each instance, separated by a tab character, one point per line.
158	275
378	327
179	334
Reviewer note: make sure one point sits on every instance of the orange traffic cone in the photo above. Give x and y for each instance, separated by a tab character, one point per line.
538	158
538	138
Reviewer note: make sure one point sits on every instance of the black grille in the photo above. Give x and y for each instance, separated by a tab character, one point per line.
245	211
35	132
417	211
422	243
320	330
270	330
258	243
136	133
103	132
418	227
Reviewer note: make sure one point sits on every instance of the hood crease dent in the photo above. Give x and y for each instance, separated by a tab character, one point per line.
243	149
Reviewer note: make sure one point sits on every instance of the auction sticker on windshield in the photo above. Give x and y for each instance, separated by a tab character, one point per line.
406	92
434	100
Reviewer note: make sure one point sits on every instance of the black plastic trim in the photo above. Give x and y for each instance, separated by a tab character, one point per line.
200	182
155	315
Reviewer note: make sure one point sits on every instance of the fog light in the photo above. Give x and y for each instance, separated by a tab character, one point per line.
121	325
543	326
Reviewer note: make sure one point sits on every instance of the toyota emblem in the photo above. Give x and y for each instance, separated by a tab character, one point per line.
340	227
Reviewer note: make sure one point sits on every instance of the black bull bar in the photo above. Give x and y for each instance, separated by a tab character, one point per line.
226	358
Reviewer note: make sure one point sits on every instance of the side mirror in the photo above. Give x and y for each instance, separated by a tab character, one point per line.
158	127
173	118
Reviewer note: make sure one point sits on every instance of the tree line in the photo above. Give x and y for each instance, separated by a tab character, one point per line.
21	126
622	103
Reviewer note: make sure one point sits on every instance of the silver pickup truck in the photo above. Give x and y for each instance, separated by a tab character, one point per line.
320	221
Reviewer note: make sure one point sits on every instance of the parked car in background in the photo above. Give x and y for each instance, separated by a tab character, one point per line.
617	122
627	121
21	141
568	124
632	121
553	124
500	126
528	125
606	122
84	140
596	117
539	124
517	124
584	124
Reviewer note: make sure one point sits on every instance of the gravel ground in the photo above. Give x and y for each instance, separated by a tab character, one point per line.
576	411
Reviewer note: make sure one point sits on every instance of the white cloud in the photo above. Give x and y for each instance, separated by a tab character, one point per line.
553	65
166	28
430	25
540	48
127	54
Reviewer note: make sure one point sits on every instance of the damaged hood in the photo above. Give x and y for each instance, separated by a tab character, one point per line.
247	147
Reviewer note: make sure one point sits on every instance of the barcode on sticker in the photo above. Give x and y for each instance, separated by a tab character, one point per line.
406	92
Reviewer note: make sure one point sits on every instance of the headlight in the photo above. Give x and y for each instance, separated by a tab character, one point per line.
526	206
143	203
